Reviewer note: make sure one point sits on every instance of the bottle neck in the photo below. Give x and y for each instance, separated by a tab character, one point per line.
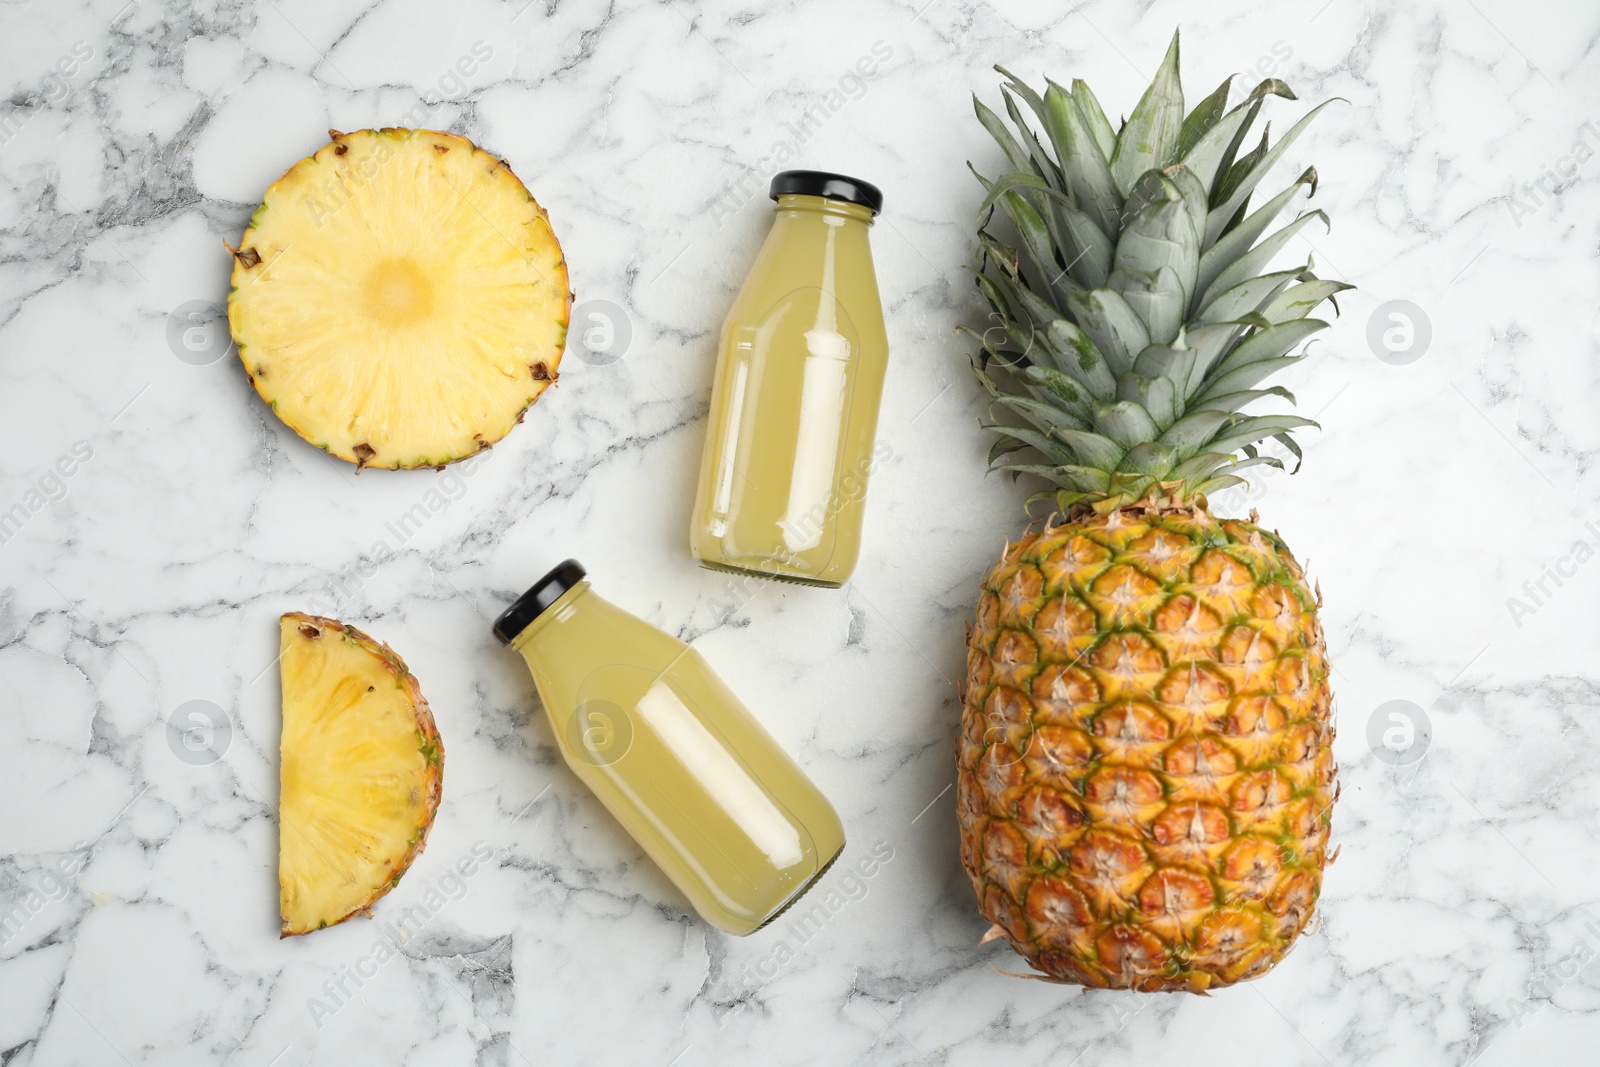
555	648
537	632
796	206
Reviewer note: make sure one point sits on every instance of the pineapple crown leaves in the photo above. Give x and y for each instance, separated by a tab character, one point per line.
1134	311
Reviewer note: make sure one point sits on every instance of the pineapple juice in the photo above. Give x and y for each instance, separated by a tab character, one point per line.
795	398
648	726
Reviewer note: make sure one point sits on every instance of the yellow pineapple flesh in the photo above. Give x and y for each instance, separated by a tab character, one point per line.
1146	769
400	298
361	768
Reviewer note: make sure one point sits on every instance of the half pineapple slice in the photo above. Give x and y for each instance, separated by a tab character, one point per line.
361	769
399	298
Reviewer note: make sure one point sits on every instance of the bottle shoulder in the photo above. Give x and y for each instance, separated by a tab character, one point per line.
595	633
802	276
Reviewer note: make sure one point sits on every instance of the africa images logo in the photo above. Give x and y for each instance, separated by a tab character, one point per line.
814	911
1537	592
452	885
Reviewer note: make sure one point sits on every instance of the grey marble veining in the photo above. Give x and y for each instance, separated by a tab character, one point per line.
1450	508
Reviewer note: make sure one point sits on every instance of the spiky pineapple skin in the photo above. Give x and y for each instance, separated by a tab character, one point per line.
1146	774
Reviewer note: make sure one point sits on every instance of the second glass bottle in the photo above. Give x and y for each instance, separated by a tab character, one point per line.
794	406
647	725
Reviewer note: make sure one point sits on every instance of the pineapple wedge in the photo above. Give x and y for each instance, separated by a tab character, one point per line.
361	768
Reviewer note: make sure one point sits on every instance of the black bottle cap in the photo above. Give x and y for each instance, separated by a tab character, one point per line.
832	186
537	600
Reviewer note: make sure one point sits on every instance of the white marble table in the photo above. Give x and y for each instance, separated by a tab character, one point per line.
1449	509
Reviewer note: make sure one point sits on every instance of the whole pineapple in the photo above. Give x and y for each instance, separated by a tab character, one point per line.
1146	772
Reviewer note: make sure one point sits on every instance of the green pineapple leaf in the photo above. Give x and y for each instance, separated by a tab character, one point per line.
1213	153
1114	327
1156	297
1235	197
1157	396
1135	310
1151	457
1047	418
1104	136
1088	249
1203	117
1243	378
1189	186
1048	277
1194	430
1067	392
1251	296
1077	355
1088	176
1003	446
1042	163
1126	422
1234	176
1256	428
1094	449
1269	343
1255	261
1019	158
1022	89
1041	442
1229	402
1298	301
1149	139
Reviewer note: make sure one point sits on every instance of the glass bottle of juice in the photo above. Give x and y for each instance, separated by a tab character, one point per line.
794	403
644	722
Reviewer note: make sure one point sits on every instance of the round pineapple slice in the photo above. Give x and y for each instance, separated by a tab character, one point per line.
400	299
360	772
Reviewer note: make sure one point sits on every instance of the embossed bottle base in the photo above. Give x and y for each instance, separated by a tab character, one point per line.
777	576
803	890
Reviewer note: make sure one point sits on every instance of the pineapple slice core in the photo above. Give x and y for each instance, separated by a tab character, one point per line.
359	772
397	293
